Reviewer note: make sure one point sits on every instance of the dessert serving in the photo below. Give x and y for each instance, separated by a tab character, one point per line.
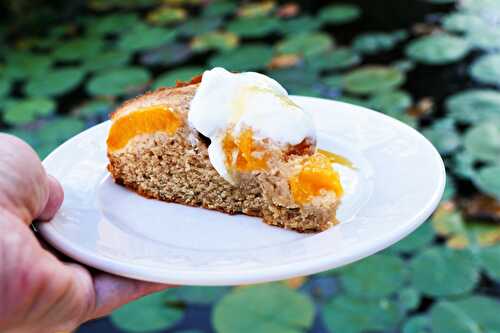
232	142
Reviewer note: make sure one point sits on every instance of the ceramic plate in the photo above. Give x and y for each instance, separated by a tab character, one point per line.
398	181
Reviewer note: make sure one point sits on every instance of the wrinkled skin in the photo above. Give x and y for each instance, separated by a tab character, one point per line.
38	292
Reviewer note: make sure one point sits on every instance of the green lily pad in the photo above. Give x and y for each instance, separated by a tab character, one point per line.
112	23
488	180
253	27
409	298
480	6
447	317
25	111
450	188
372	79
375	42
244	58
125	4
4	87
118	81
444	136
417	324
170	54
299	24
60	129
339	13
365	279
448	222
26	135
490	261
487	69
463	22
295	80
483	141
166	15
391	102
437	49
148	314
55	82
404	65
77	49
485	39
94	109
143	37
463	164
256	9
22	65
306	44
222	41
263	308
198	295
353	315
219	8
483	310
453	272
107	60
475	105
193	26
180	74
336	59
417	240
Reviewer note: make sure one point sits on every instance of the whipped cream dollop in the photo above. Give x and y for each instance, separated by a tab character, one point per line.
226	101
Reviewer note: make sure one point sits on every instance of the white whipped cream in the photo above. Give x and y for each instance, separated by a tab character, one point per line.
234	101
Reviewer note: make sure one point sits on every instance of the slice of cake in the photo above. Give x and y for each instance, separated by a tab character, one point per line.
232	142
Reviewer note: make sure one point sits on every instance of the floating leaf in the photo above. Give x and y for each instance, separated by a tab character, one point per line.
437	49
447	220
450	188
486	39
488	180
409	298
339	13
475	105
193	26
82	48
487	69
112	23
198	295
295	79
483	310
25	111
264	308
166	15
94	109
490	260
180	74
257	9
391	102
4	87
365	279
55	82
253	27
219	8
147	314
118	81
404	65
170	54
463	164
444	136
417	324
480	6
417	240
107	60
375	42
22	65
60	129
244	58
307	44
453	272
336	59
284	61
353	315
222	41
300	24
447	317
483	141
371	79
143	37
463	22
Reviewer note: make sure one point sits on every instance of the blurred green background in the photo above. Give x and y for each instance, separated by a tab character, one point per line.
433	64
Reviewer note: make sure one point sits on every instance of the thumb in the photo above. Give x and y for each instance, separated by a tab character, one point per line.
54	201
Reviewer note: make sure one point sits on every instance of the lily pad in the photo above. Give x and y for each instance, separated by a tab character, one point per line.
371	79
417	240
143	37
409	298
180	74
339	13
166	15
447	317
193	26
55	82
353	315
222	41
417	324
253	27
148	314
107	60
112	23
485	39
94	109
391	102
480	6
375	42
463	22
264	308
295	80
118	81
198	295
256	9
22	65
219	8
77	49
444	272
437	49
483	310
444	135
490	260
488	180
60	129
4	87
336	59
366	280
300	24
245	58
306	44
487	69
475	105
25	111
483	141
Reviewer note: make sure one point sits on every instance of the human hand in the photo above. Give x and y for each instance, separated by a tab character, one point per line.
40	293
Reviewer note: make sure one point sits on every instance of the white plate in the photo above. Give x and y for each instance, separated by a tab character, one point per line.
399	181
